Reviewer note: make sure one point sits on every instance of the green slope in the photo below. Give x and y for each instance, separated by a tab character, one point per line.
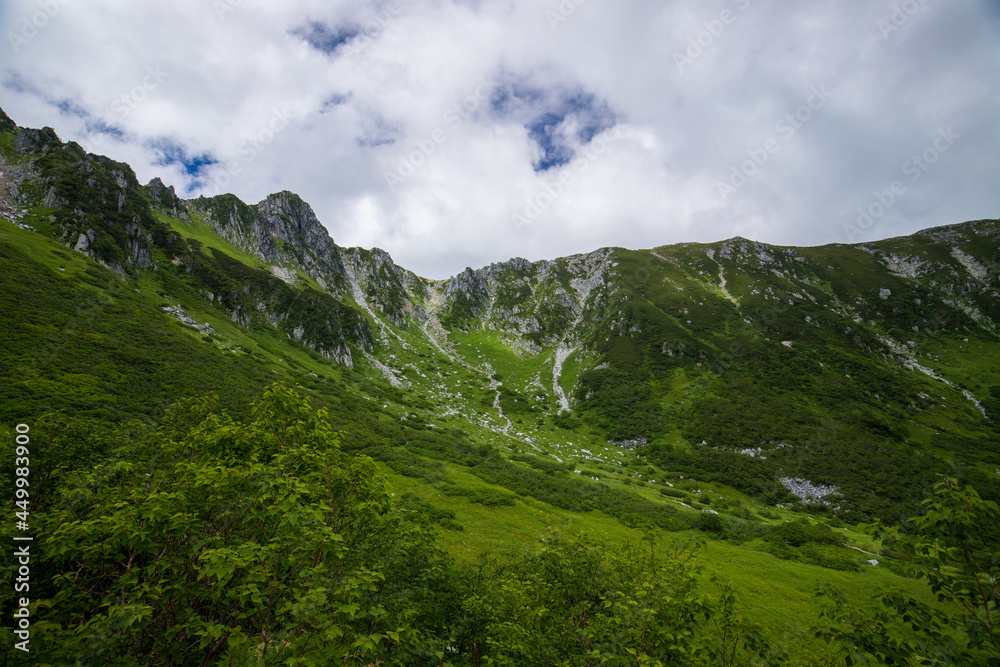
676	363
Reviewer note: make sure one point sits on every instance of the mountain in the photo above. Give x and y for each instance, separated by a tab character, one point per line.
852	372
775	400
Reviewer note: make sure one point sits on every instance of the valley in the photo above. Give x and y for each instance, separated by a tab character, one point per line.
782	405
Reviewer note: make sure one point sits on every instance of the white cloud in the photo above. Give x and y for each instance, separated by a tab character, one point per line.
244	87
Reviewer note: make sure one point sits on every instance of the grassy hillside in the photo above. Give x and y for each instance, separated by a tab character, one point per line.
664	394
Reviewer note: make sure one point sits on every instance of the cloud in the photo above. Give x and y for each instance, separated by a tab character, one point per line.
456	134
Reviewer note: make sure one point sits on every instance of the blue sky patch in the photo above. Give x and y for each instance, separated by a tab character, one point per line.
559	120
100	127
171	153
323	38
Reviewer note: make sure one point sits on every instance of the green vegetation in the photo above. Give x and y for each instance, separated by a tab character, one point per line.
953	545
436	504
214	541
210	541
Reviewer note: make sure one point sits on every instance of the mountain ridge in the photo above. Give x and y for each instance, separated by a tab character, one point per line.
736	360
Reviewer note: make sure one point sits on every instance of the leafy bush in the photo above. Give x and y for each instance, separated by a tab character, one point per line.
797	533
544	465
581	602
211	541
487	497
426	514
945	546
709	523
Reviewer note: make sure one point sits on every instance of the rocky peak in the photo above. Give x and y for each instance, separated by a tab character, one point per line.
161	192
291	220
6	124
470	288
30	140
282	229
167	199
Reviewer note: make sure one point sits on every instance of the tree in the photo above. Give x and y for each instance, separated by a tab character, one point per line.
583	602
954	546
214	542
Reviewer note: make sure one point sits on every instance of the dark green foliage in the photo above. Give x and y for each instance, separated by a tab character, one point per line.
212	541
740	530
567	421
572	493
832	558
405	462
619	398
753	476
545	465
513	403
797	533
709	523
944	546
486	497
580	602
105	353
426	514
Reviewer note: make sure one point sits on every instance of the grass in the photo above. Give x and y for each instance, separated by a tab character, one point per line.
81	339
201	232
778	594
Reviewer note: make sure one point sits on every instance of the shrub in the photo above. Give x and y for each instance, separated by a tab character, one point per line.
709	523
214	541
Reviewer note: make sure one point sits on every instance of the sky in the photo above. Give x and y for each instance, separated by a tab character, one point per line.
457	133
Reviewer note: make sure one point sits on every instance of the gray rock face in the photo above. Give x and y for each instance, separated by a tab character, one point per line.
139	246
537	302
179	313
28	139
472	287
282	229
293	223
807	492
383	285
167	198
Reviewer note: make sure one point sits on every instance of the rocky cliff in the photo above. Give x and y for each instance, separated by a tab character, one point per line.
542	303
